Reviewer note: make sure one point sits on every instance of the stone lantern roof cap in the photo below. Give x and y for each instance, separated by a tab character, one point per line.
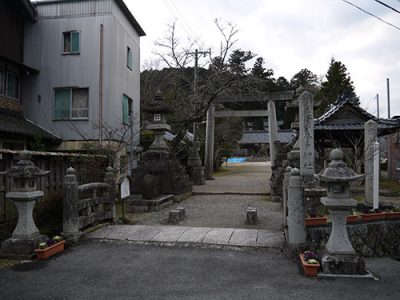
337	170
158	105
25	168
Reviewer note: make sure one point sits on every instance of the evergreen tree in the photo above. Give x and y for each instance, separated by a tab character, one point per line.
338	85
304	78
237	61
259	71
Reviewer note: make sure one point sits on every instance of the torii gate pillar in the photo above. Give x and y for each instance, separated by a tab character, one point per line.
209	151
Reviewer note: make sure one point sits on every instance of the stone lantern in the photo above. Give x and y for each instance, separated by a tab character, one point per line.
339	255
159	109
24	193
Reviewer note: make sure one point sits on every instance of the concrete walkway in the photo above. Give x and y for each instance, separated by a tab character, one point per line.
190	236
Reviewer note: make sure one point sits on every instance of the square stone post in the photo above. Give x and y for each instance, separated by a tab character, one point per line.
306	124
273	131
370	137
70	207
109	178
209	151
296	224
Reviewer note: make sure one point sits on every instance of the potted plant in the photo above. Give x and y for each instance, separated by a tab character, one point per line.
353	218
316	221
50	247
309	261
372	215
393	214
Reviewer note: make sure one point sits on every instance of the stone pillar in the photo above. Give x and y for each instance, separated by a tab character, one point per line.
209	151
376	176
273	131
194	163
285	194
109	178
70	207
306	124
370	137
296	224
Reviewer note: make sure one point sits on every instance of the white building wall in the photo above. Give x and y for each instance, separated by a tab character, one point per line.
43	51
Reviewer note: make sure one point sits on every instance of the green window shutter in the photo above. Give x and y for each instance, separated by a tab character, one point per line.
129	58
62	104
125	109
75	42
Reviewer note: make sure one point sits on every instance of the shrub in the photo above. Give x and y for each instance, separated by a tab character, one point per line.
48	213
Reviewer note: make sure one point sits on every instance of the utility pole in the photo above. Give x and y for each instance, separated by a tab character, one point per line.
388	96
195	81
377	105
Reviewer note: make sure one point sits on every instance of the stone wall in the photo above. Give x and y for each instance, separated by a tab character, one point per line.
10	104
381	238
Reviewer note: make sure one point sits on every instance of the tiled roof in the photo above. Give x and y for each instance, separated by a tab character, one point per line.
262	137
16	124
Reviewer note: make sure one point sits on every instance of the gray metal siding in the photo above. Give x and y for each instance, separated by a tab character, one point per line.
43	50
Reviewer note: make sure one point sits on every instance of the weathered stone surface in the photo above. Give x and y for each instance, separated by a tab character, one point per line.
146	234
149	187
306	119
370	137
244	237
174	216
269	239
380	238
194	235
218	236
169	234
251	215
22	246
296	225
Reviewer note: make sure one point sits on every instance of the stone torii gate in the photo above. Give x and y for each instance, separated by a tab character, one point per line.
270	113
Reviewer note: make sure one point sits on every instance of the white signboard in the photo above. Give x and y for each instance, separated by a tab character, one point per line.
125	190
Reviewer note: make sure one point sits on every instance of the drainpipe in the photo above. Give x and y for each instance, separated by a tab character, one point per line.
101	84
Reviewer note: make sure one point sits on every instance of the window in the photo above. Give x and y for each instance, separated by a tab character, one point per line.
157	117
12	85
71	103
129	58
126	109
71	42
2	82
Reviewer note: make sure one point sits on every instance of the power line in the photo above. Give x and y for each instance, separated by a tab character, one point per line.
363	10
388	6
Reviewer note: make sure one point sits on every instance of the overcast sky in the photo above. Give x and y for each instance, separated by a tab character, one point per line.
292	35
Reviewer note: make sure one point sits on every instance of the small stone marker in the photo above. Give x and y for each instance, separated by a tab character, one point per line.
174	216
125	189
251	215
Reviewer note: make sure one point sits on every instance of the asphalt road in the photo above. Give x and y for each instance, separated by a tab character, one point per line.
119	270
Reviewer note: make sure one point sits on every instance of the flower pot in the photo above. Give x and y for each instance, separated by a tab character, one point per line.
391	215
373	216
353	219
50	251
316	221
309	269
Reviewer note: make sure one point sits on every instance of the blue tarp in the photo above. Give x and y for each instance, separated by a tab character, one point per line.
236	159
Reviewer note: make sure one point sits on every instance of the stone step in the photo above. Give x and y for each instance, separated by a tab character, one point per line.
205	236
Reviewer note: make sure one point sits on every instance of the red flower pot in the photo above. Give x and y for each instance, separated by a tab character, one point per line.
50	251
353	219
316	221
309	269
373	216
391	215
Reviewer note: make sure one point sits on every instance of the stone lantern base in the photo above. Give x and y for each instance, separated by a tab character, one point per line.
22	246
343	264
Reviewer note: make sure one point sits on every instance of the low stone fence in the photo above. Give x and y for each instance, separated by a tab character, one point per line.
87	204
380	238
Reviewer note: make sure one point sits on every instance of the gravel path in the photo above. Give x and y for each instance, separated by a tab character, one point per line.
212	208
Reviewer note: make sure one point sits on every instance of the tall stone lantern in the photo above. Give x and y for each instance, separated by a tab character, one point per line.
159	109
24	193
339	255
